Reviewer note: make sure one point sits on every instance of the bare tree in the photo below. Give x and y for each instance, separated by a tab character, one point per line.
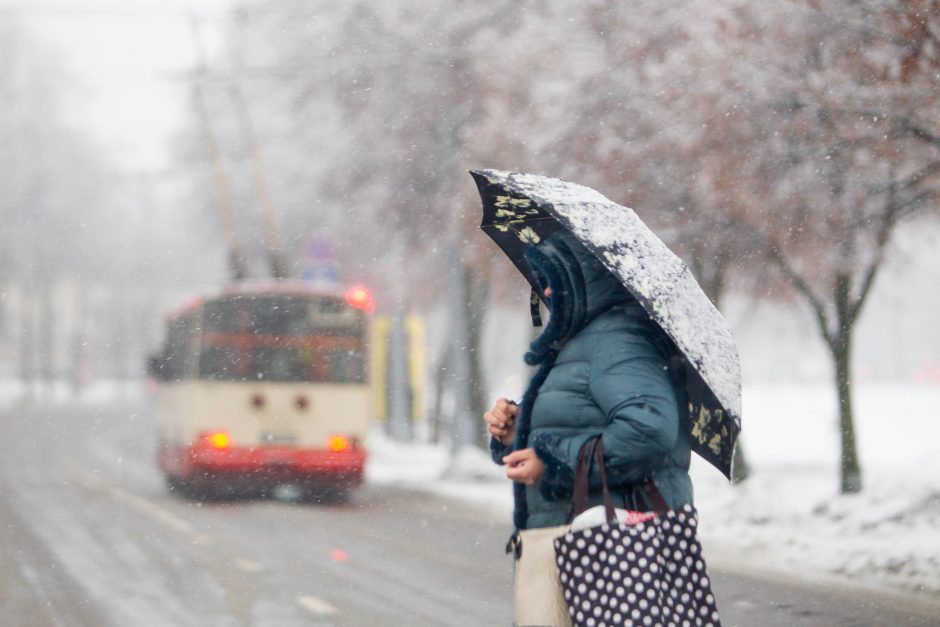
797	133
85	248
854	154
49	173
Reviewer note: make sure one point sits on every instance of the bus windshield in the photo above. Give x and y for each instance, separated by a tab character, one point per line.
282	338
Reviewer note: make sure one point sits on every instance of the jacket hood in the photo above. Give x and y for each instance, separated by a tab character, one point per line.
582	288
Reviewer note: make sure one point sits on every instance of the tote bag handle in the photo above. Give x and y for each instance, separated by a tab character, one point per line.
591	451
593	448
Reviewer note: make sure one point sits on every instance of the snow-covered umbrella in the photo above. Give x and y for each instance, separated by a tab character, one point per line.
524	209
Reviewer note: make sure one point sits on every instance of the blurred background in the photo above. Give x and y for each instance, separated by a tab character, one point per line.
788	151
775	147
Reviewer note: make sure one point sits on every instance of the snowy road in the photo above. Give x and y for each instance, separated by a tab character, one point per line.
90	537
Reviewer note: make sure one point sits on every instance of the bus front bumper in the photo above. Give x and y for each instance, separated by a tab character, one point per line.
278	463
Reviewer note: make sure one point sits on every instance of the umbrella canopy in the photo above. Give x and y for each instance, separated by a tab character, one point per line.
524	209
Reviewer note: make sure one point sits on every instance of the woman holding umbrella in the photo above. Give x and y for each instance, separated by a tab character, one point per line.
611	371
603	369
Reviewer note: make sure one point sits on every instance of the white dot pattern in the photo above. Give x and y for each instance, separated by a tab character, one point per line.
652	573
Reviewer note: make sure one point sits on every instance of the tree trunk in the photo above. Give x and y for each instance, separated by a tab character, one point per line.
436	418
465	424
851	472
740	469
27	344
399	401
4	315
712	280
477	296
45	341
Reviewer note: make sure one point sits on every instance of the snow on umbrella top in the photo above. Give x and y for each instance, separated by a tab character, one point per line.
524	209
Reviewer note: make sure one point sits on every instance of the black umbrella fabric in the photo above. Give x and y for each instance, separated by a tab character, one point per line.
523	209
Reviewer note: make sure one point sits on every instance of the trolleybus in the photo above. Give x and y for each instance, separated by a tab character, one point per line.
265	385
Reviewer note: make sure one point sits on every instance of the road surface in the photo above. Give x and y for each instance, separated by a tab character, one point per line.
89	536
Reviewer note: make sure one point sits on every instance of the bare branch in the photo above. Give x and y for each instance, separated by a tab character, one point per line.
885	229
920	132
912	181
856	308
917	202
798	282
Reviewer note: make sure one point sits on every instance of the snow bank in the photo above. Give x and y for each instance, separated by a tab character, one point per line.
789	516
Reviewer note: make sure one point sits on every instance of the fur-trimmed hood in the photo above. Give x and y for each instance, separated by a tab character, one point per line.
582	288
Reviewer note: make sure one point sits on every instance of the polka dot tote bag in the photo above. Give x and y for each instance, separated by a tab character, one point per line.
649	573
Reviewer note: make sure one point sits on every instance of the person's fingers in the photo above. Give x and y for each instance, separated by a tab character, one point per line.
493	419
519	468
517	457
505	408
496	431
520	474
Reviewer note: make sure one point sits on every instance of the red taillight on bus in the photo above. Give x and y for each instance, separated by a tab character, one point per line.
218	440
360	298
257	401
338	443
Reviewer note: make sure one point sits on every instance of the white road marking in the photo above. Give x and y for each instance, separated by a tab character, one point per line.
317	605
156	512
247	566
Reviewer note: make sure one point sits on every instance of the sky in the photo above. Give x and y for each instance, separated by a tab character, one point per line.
124	67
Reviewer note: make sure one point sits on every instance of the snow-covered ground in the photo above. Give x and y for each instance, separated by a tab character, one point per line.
788	516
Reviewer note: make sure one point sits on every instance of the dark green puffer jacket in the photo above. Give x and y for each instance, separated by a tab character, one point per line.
611	376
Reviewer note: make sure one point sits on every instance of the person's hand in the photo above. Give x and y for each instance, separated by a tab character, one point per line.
501	420
524	466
